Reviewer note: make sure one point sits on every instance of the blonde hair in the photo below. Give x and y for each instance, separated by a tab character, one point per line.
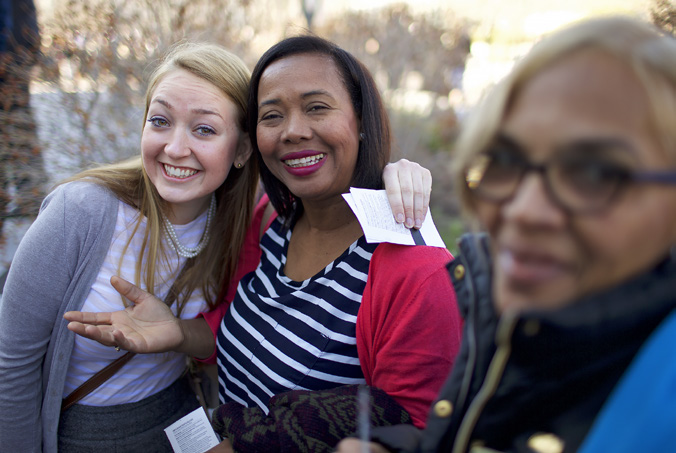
649	53
215	266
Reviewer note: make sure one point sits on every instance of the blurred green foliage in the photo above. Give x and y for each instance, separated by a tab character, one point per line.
450	228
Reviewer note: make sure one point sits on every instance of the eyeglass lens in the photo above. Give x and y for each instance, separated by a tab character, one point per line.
578	182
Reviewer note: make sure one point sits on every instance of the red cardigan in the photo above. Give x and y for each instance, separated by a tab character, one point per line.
408	325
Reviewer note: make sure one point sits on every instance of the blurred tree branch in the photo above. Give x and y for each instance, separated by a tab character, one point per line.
21	168
418	60
96	57
663	14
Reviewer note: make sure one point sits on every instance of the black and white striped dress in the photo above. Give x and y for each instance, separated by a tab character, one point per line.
280	335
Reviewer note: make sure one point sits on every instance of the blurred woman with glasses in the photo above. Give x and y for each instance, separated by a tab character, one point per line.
568	300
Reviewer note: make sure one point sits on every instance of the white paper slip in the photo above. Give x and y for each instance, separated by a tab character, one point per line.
192	433
375	217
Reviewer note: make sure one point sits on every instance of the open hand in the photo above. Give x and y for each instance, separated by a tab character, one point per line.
144	327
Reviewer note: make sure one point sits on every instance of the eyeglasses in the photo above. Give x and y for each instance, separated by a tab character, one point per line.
578	181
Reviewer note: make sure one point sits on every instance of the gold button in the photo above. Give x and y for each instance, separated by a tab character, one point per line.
531	327
545	443
443	408
476	445
459	272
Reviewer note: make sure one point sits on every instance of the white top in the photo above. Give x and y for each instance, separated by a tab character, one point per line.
145	374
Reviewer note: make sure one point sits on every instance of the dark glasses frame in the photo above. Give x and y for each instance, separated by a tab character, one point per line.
475	172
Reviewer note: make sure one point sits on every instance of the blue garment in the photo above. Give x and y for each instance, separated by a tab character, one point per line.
645	399
280	335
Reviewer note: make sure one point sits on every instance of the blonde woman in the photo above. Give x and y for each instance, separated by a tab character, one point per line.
146	219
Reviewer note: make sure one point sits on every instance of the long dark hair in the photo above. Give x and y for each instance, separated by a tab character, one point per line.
374	145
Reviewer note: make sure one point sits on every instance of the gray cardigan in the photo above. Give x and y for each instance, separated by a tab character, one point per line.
52	272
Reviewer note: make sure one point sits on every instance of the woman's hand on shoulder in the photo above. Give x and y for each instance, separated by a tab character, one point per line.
408	187
147	326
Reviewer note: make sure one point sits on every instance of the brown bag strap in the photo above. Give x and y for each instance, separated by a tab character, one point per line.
95	381
106	373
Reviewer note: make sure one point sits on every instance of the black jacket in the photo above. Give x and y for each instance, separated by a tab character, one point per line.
539	376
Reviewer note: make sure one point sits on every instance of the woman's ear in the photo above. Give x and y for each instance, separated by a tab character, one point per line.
244	150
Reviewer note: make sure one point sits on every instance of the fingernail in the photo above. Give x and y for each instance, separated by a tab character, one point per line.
409	222
418	223
400	218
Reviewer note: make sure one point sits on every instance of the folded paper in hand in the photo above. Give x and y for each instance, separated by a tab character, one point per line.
375	216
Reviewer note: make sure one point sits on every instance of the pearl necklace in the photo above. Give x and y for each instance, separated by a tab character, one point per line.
175	244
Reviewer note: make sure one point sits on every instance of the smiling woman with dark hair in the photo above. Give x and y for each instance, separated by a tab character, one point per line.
374	126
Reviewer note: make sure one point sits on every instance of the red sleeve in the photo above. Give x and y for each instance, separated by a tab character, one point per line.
249	257
408	326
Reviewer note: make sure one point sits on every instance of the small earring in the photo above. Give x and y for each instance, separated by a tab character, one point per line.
239	165
362	136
